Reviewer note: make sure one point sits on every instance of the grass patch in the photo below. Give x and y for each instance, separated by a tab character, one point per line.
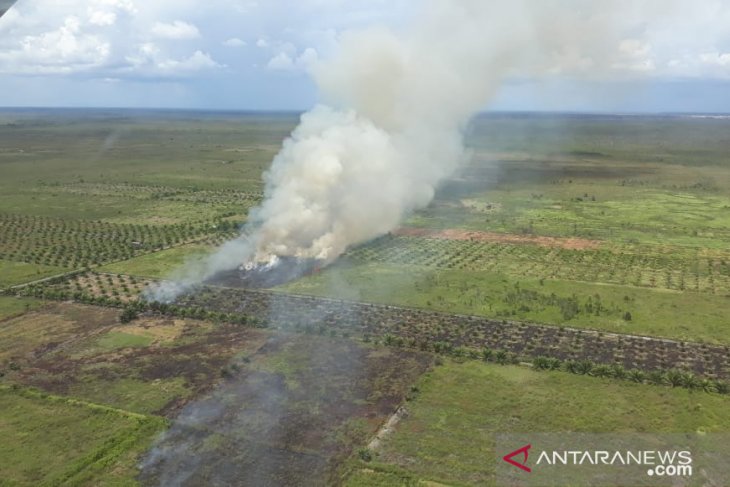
158	264
448	435
130	394
116	339
11	306
48	440
13	273
21	336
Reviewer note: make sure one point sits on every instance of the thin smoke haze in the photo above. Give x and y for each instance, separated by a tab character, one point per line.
390	128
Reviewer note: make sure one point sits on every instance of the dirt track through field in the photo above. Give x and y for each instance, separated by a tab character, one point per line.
509	238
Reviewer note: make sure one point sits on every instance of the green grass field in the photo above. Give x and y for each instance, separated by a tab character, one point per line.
11	306
13	273
448	434
161	264
49	440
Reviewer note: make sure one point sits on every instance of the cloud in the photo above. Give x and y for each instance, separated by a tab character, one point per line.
105	12
284	62
234	42
262	43
716	58
149	60
197	62
281	61
177	30
66	49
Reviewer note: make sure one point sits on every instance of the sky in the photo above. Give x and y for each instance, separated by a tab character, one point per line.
668	56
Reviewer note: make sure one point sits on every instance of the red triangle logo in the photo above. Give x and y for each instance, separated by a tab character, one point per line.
523	451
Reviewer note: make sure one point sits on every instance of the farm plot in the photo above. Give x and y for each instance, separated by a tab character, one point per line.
286	415
668	268
433	331
156	192
103	285
429	330
157	204
79	243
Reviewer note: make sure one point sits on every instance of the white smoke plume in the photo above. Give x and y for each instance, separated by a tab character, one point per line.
398	104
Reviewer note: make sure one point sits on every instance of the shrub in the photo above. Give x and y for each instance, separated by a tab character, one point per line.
487	354
636	375
128	314
602	371
365	454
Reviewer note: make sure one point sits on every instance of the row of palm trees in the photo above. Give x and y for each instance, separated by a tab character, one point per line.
672	377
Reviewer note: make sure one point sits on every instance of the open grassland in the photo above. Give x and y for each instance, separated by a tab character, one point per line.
11	306
51	440
12	273
162	264
448	435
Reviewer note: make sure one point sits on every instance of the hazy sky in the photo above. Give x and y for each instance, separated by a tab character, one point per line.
670	55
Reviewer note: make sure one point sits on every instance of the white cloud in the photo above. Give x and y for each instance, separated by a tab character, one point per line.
262	43
105	12
197	62
101	18
177	30
234	42
63	50
308	58
716	58
285	62
635	55
149	60
281	62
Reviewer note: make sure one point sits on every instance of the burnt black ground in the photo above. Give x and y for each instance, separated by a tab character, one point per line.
285	270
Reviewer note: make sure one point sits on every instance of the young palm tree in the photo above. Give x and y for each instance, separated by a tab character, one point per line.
585	367
690	381
675	378
708	386
602	371
722	387
501	357
636	375
657	377
487	354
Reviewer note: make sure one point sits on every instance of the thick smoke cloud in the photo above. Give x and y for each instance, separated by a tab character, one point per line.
391	129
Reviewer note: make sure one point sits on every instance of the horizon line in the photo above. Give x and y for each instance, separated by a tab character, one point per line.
293	111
